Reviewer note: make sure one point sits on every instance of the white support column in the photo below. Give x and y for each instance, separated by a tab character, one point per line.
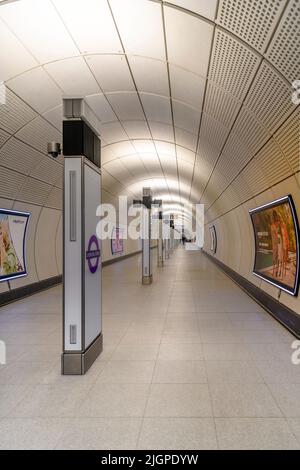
82	319
146	235
160	242
171	232
166	236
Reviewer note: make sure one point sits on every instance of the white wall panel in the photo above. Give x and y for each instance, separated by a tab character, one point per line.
113	132
157	108
185	154
45	243
169	165
186	117
161	131
91	25
119	171
144	146
37	89
187	87
152	164
187	53
10	48
73	76
150	75
106	154
205	8
55	117
30	20
126	105
111	72
140	26
101	107
186	139
165	148
122	148
136	129
134	165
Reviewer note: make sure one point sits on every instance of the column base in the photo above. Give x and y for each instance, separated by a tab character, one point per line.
78	363
146	280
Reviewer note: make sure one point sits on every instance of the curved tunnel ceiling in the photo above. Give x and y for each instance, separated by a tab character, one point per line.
194	96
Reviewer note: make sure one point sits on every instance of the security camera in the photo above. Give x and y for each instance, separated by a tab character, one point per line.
53	149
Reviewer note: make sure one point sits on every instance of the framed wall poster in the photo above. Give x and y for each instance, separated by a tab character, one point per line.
213	239
13	228
117	242
276	233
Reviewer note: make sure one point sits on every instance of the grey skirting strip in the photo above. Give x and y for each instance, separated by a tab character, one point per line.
24	291
121	258
286	316
30	289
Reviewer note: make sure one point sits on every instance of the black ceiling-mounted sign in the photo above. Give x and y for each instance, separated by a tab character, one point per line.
80	139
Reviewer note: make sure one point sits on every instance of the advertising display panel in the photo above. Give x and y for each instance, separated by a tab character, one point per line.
13	227
276	234
213	239
117	242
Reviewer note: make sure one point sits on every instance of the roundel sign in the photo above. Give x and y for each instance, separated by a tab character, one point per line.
93	254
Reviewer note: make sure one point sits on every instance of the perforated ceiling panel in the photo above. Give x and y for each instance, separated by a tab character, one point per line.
233	158
285	46
38	133
10	183
233	64
19	156
251	20
14	113
288	138
273	164
228	200
255	177
270	98
212	134
220	105
3	137
54	199
48	170
34	191
242	188
249	131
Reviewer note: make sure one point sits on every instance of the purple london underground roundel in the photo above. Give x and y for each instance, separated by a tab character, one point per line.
93	254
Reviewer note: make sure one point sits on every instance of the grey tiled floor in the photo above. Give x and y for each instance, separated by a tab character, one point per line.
188	362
